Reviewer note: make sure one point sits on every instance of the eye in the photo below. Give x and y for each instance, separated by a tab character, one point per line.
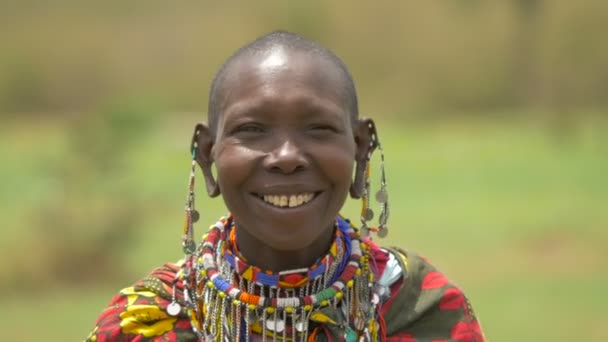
320	127
249	128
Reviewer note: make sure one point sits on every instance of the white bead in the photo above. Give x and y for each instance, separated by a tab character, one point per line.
174	309
273	325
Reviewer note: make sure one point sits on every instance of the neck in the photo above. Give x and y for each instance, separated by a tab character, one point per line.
272	259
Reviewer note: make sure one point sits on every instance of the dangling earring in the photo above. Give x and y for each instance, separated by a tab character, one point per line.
382	197
192	215
188	244
367	214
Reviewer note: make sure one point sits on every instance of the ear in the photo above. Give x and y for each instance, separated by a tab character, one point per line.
366	140
202	147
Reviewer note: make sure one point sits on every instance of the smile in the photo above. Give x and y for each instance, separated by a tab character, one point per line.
288	201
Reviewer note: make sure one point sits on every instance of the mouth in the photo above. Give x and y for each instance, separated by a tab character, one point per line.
287	200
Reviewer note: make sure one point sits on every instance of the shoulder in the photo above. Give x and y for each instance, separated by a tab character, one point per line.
419	303
140	312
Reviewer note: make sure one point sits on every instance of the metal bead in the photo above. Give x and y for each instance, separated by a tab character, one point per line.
369	214
364	231
382	196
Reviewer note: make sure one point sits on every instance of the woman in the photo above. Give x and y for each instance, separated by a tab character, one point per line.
285	138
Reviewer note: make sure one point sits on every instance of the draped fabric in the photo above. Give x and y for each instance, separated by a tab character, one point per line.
423	305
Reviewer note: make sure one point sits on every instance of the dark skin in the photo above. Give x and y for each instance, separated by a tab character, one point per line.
284	130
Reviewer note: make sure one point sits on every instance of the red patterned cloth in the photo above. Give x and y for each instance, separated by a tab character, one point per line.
423	305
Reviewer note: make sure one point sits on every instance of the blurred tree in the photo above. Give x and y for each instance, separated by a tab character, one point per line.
84	232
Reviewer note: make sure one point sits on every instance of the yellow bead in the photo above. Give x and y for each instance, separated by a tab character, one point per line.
350	283
210	284
222	295
307	307
289	309
251	307
236	302
325	303
339	295
270	310
358	272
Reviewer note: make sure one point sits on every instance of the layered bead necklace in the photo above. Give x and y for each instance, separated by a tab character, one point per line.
228	299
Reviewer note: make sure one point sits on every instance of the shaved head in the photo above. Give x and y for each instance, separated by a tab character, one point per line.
270	44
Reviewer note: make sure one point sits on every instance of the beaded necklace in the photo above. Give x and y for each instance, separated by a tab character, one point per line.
227	299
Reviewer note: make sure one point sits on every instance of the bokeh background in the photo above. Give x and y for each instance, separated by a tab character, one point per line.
494	117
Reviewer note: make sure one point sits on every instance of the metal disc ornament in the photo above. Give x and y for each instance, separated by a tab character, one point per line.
364	231
382	231
195	216
382	196
174	309
369	214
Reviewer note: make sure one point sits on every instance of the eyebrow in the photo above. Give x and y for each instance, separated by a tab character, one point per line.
309	108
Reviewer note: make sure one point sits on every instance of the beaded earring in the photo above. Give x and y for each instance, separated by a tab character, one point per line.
382	198
192	215
367	214
188	243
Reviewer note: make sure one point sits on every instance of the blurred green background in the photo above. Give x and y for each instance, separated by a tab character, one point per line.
494	117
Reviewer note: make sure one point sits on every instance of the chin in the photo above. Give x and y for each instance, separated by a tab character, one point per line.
289	238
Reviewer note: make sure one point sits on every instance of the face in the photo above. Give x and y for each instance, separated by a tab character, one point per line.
284	148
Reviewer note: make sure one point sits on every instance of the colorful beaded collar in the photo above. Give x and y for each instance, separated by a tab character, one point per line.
286	279
210	272
219	288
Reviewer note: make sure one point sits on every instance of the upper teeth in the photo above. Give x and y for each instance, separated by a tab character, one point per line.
288	200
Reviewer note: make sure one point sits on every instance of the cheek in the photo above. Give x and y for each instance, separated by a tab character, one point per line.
234	165
338	163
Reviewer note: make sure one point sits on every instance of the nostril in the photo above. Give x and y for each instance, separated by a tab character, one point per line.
287	157
286	165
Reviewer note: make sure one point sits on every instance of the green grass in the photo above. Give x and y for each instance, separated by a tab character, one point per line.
511	211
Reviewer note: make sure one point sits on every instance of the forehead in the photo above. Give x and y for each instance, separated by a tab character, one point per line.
281	75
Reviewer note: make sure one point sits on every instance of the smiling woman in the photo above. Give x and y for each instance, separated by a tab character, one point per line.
285	137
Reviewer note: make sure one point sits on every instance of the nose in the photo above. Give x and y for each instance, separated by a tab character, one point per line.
286	158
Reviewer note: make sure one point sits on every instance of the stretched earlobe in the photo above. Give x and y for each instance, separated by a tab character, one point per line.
201	147
356	187
366	139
